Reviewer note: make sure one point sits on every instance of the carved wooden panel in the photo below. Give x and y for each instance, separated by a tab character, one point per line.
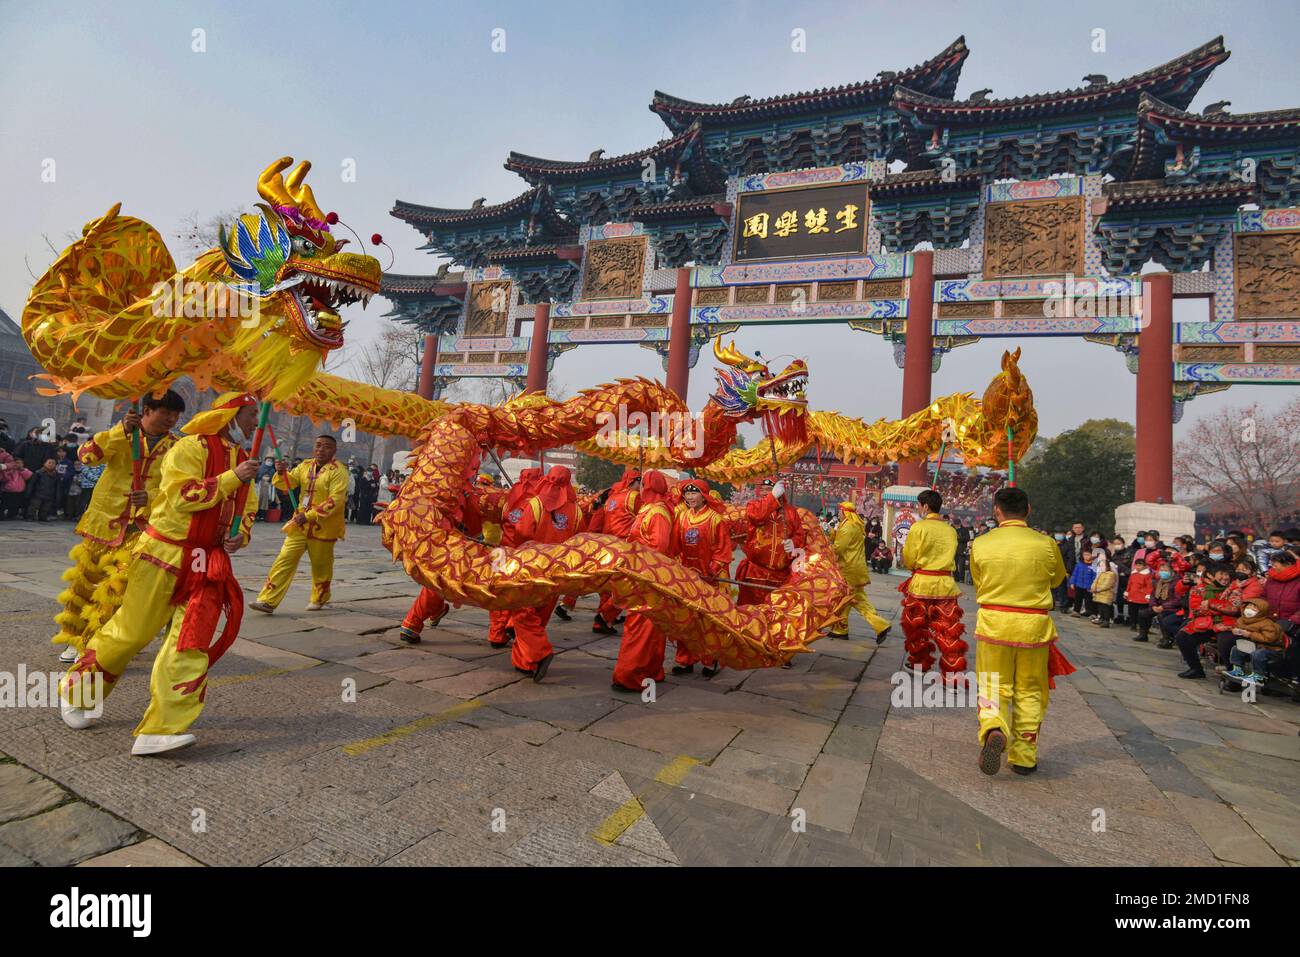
482	358
787	293
608	322
515	357
884	289
836	291
1268	275
752	294
965	310
488	310
1041	237
649	322
451	357
1025	308
1277	353
569	322
614	268
711	297
1194	353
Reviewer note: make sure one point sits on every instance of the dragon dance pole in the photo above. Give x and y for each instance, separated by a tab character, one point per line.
263	414
934	482
136	481
279	457
1011	463
501	468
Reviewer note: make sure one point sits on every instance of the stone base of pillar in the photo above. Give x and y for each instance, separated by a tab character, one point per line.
1168	519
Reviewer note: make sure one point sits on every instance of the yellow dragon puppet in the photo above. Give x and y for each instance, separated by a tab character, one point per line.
90	323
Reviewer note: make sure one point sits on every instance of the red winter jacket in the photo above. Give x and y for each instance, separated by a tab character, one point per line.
1282	592
1139	588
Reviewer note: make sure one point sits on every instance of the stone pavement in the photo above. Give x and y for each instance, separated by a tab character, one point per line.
327	741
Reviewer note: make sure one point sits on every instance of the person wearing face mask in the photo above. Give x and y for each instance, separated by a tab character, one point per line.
1256	624
180	581
1162	583
1081	583
1282	591
1213	608
1121	559
1217	551
1061	593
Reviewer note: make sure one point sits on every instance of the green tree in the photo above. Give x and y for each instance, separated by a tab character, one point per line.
596	473
1081	475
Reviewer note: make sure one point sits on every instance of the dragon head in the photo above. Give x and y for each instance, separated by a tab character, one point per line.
286	253
747	390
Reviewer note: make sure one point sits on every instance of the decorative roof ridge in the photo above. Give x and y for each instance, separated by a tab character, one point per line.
435	214
1211	50
667	103
1150	107
523	163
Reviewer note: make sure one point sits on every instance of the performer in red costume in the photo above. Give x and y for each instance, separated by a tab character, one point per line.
429	605
500	628
774	542
551	515
641	655
621	509
704	539
930	613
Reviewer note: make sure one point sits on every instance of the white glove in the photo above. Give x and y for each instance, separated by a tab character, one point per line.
788	545
778	489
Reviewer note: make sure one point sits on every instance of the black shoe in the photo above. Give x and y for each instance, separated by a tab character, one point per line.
1139	637
1192	673
510	634
620	619
543	666
600	628
683	669
995	742
524	671
1104	624
438	621
836	634
880	638
499	644
562	613
708	671
1164	643
1018	769
408	635
618	687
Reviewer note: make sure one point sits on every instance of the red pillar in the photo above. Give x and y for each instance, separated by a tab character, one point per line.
428	359
679	336
918	356
537	353
1155	391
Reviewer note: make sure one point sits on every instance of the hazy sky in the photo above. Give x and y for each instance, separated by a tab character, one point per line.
413	92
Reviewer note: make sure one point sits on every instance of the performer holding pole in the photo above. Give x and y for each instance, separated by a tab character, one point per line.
180	579
930	613
775	534
316	525
1014	569
621	507
704	540
132	453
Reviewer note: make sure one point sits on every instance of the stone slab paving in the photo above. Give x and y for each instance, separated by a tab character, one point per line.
327	741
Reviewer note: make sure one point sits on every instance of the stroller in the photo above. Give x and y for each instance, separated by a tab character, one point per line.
1283	677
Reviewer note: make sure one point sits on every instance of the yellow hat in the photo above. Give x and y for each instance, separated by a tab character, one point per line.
848	507
224	408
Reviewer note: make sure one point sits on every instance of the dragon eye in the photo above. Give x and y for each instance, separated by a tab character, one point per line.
303	246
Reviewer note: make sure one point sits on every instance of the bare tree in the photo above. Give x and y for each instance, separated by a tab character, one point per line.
1246	460
197	235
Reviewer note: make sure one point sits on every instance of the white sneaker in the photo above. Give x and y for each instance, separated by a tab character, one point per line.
159	743
75	718
69	655
261	606
314	606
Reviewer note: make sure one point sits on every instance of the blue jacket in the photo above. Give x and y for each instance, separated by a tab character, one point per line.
1082	576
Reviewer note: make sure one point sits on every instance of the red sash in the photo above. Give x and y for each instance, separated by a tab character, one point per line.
212	589
926	571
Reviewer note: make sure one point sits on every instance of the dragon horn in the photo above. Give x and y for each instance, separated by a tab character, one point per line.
270	185
731	356
302	195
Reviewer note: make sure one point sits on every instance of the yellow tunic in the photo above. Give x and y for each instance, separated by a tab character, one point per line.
931	546
108	516
1016	567
850	540
323	492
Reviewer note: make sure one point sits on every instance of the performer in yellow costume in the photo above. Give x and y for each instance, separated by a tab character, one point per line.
317	523
113	519
930	613
180	579
850	544
1014	569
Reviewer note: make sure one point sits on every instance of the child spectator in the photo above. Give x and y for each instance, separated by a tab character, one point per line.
1081	585
1256	624
43	494
1103	590
13	486
1141	584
